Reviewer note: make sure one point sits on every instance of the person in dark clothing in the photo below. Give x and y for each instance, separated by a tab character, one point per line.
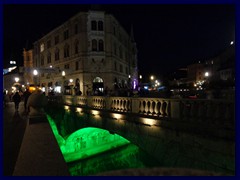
26	95
16	99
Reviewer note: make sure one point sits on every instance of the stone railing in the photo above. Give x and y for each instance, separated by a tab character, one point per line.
215	111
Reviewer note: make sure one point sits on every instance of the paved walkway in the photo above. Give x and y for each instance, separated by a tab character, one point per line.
14	125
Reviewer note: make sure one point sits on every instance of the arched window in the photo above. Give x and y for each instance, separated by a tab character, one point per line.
98	86
120	52
49	58
66	50
42	60
100	25
97	80
94	45
76	46
100	45
94	25
115	48
56	54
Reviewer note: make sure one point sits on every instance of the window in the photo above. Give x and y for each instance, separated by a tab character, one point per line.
94	45
114	30
76	65
65	35
100	45
66	66
42	60
76	46
121	68
115	48
115	66
56	54
42	47
94	25
49	58
76	28
48	44
100	25
120	52
66	50
56	39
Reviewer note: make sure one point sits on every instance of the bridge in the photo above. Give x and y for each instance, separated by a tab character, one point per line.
185	133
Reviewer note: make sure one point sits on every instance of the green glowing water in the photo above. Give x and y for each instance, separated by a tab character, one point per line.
90	150
86	142
128	156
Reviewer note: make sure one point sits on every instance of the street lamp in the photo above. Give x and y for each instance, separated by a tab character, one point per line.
16	79
206	74
16	84
35	73
71	81
63	79
152	81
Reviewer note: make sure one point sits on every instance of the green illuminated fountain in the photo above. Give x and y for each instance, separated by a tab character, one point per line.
86	142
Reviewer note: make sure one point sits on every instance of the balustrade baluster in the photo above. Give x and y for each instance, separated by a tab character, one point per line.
124	105
153	108
186	109
144	106
168	110
209	111
148	107
194	111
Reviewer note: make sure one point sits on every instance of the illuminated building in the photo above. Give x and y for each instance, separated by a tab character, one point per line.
92	48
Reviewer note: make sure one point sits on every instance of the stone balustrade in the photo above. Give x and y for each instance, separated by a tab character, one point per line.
198	110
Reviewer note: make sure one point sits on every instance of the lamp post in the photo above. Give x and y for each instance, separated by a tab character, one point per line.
35	73
71	81
63	79
16	83
152	81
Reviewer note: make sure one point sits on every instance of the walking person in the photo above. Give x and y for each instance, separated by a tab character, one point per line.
16	99
26	95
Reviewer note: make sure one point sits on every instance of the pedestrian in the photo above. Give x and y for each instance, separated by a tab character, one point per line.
16	99
4	99
26	95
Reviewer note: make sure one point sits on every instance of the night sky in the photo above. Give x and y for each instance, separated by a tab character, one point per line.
168	37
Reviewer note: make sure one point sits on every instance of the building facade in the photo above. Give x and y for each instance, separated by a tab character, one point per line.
90	52
27	66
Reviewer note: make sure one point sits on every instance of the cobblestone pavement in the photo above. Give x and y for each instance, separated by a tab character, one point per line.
14	125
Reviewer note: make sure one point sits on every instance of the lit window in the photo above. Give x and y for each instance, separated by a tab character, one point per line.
42	47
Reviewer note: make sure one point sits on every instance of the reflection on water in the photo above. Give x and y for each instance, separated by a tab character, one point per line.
128	156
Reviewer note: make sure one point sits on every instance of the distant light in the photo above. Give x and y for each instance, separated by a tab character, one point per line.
12	68
145	87
51	66
16	79
140	76
206	74
129	76
152	77
63	73
71	80
12	62
231	43
35	72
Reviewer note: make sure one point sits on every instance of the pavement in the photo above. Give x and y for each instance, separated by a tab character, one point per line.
14	125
